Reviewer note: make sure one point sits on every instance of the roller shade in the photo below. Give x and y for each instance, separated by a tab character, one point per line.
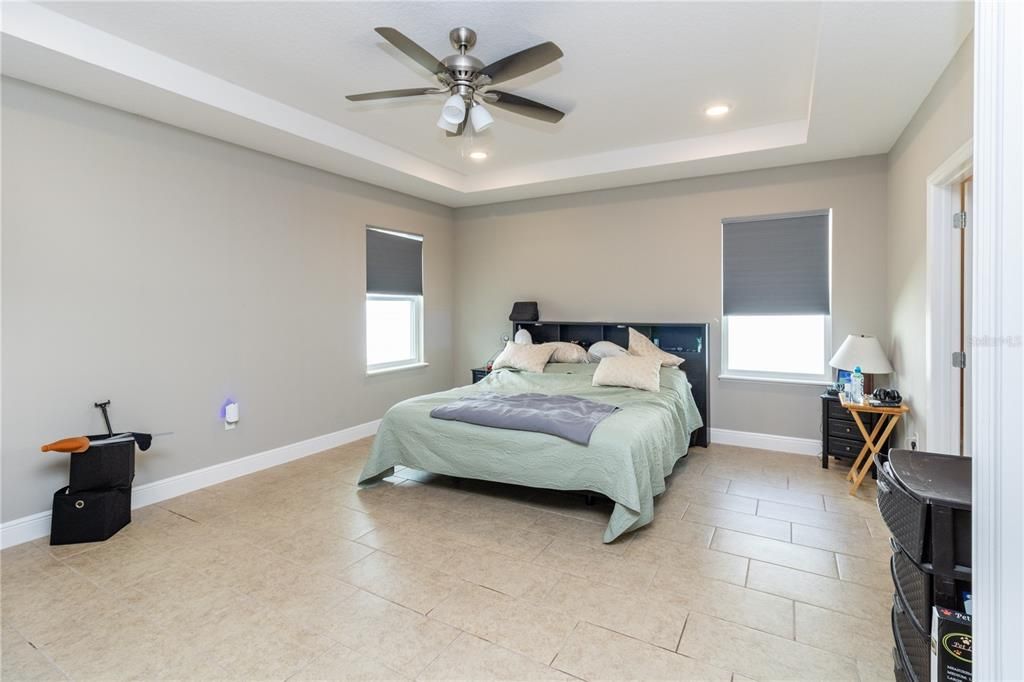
776	265
394	263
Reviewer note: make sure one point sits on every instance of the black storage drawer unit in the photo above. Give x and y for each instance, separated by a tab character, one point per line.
840	436
914	645
90	516
925	499
111	465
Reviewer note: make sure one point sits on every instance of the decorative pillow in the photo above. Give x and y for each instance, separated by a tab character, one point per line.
523	336
632	371
567	352
529	358
605	349
642	346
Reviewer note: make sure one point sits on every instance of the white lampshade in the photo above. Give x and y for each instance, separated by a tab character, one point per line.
480	118
864	352
454	110
443	124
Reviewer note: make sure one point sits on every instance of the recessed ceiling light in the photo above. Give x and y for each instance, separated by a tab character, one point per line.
717	110
478	156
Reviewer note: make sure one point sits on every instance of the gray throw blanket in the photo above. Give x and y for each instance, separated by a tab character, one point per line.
565	416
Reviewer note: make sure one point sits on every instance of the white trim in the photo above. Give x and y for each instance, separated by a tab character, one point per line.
942	387
997	329
397	368
775	380
766	441
35	526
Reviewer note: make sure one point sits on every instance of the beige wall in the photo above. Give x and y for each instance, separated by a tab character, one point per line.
653	253
941	125
166	271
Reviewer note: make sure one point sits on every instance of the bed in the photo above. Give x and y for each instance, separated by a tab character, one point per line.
629	456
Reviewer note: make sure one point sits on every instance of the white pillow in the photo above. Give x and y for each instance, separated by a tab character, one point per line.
523	336
632	371
605	349
529	358
642	346
567	352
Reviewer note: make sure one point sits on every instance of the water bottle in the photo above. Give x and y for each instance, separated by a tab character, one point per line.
857	388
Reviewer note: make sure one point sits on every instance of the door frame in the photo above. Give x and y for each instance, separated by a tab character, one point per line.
942	295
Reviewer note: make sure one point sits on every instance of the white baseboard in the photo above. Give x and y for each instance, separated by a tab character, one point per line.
38	525
767	441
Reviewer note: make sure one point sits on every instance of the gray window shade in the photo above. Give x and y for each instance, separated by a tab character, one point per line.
776	265
394	263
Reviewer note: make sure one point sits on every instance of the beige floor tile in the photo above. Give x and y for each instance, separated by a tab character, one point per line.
578	531
860	544
321	552
760	655
414	587
738	521
418	543
812	517
390	634
342	663
868	572
527	628
594	564
860	505
499	572
749	474
710	498
693	479
511	541
773	494
775	551
680	531
871	671
19	660
119	564
748	607
594	653
844	635
655	617
706	562
849	598
471	658
58	606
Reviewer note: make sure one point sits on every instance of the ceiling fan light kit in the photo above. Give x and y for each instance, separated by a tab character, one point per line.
467	81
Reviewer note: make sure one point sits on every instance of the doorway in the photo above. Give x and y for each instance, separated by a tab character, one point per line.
963	365
948	307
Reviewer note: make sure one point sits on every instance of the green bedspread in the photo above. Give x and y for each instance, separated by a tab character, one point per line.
629	456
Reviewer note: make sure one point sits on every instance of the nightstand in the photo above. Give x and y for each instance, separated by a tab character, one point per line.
840	436
480	372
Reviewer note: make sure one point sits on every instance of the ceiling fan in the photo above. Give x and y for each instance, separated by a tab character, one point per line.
468	81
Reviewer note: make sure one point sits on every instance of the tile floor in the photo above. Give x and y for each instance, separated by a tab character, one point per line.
758	566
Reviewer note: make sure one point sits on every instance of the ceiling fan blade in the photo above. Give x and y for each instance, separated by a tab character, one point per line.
388	94
412	50
530	59
523	106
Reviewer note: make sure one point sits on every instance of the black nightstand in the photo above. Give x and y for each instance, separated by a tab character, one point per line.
840	436
479	373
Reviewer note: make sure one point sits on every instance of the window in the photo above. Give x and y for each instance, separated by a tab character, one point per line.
776	297
394	300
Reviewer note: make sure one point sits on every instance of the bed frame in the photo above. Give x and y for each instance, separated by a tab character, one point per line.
688	341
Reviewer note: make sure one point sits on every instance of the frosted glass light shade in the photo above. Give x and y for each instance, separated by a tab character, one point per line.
454	110
864	352
480	118
443	124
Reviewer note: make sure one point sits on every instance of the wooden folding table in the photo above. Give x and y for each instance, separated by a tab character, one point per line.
887	420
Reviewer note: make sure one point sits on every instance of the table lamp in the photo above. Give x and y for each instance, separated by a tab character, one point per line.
859	350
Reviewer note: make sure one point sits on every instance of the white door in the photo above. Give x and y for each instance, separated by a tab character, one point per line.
964	255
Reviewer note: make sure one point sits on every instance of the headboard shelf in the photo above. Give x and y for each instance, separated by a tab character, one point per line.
687	340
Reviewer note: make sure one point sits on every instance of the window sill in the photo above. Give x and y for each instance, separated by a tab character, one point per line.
775	380
400	368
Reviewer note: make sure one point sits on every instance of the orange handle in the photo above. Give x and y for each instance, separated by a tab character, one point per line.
78	444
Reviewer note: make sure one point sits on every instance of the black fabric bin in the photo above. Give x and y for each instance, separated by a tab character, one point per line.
89	516
103	466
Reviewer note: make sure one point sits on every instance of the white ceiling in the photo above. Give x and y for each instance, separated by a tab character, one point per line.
808	81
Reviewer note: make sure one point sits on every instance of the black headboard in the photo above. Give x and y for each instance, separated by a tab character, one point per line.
688	341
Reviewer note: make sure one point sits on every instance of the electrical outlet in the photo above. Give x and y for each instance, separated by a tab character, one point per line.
912	441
